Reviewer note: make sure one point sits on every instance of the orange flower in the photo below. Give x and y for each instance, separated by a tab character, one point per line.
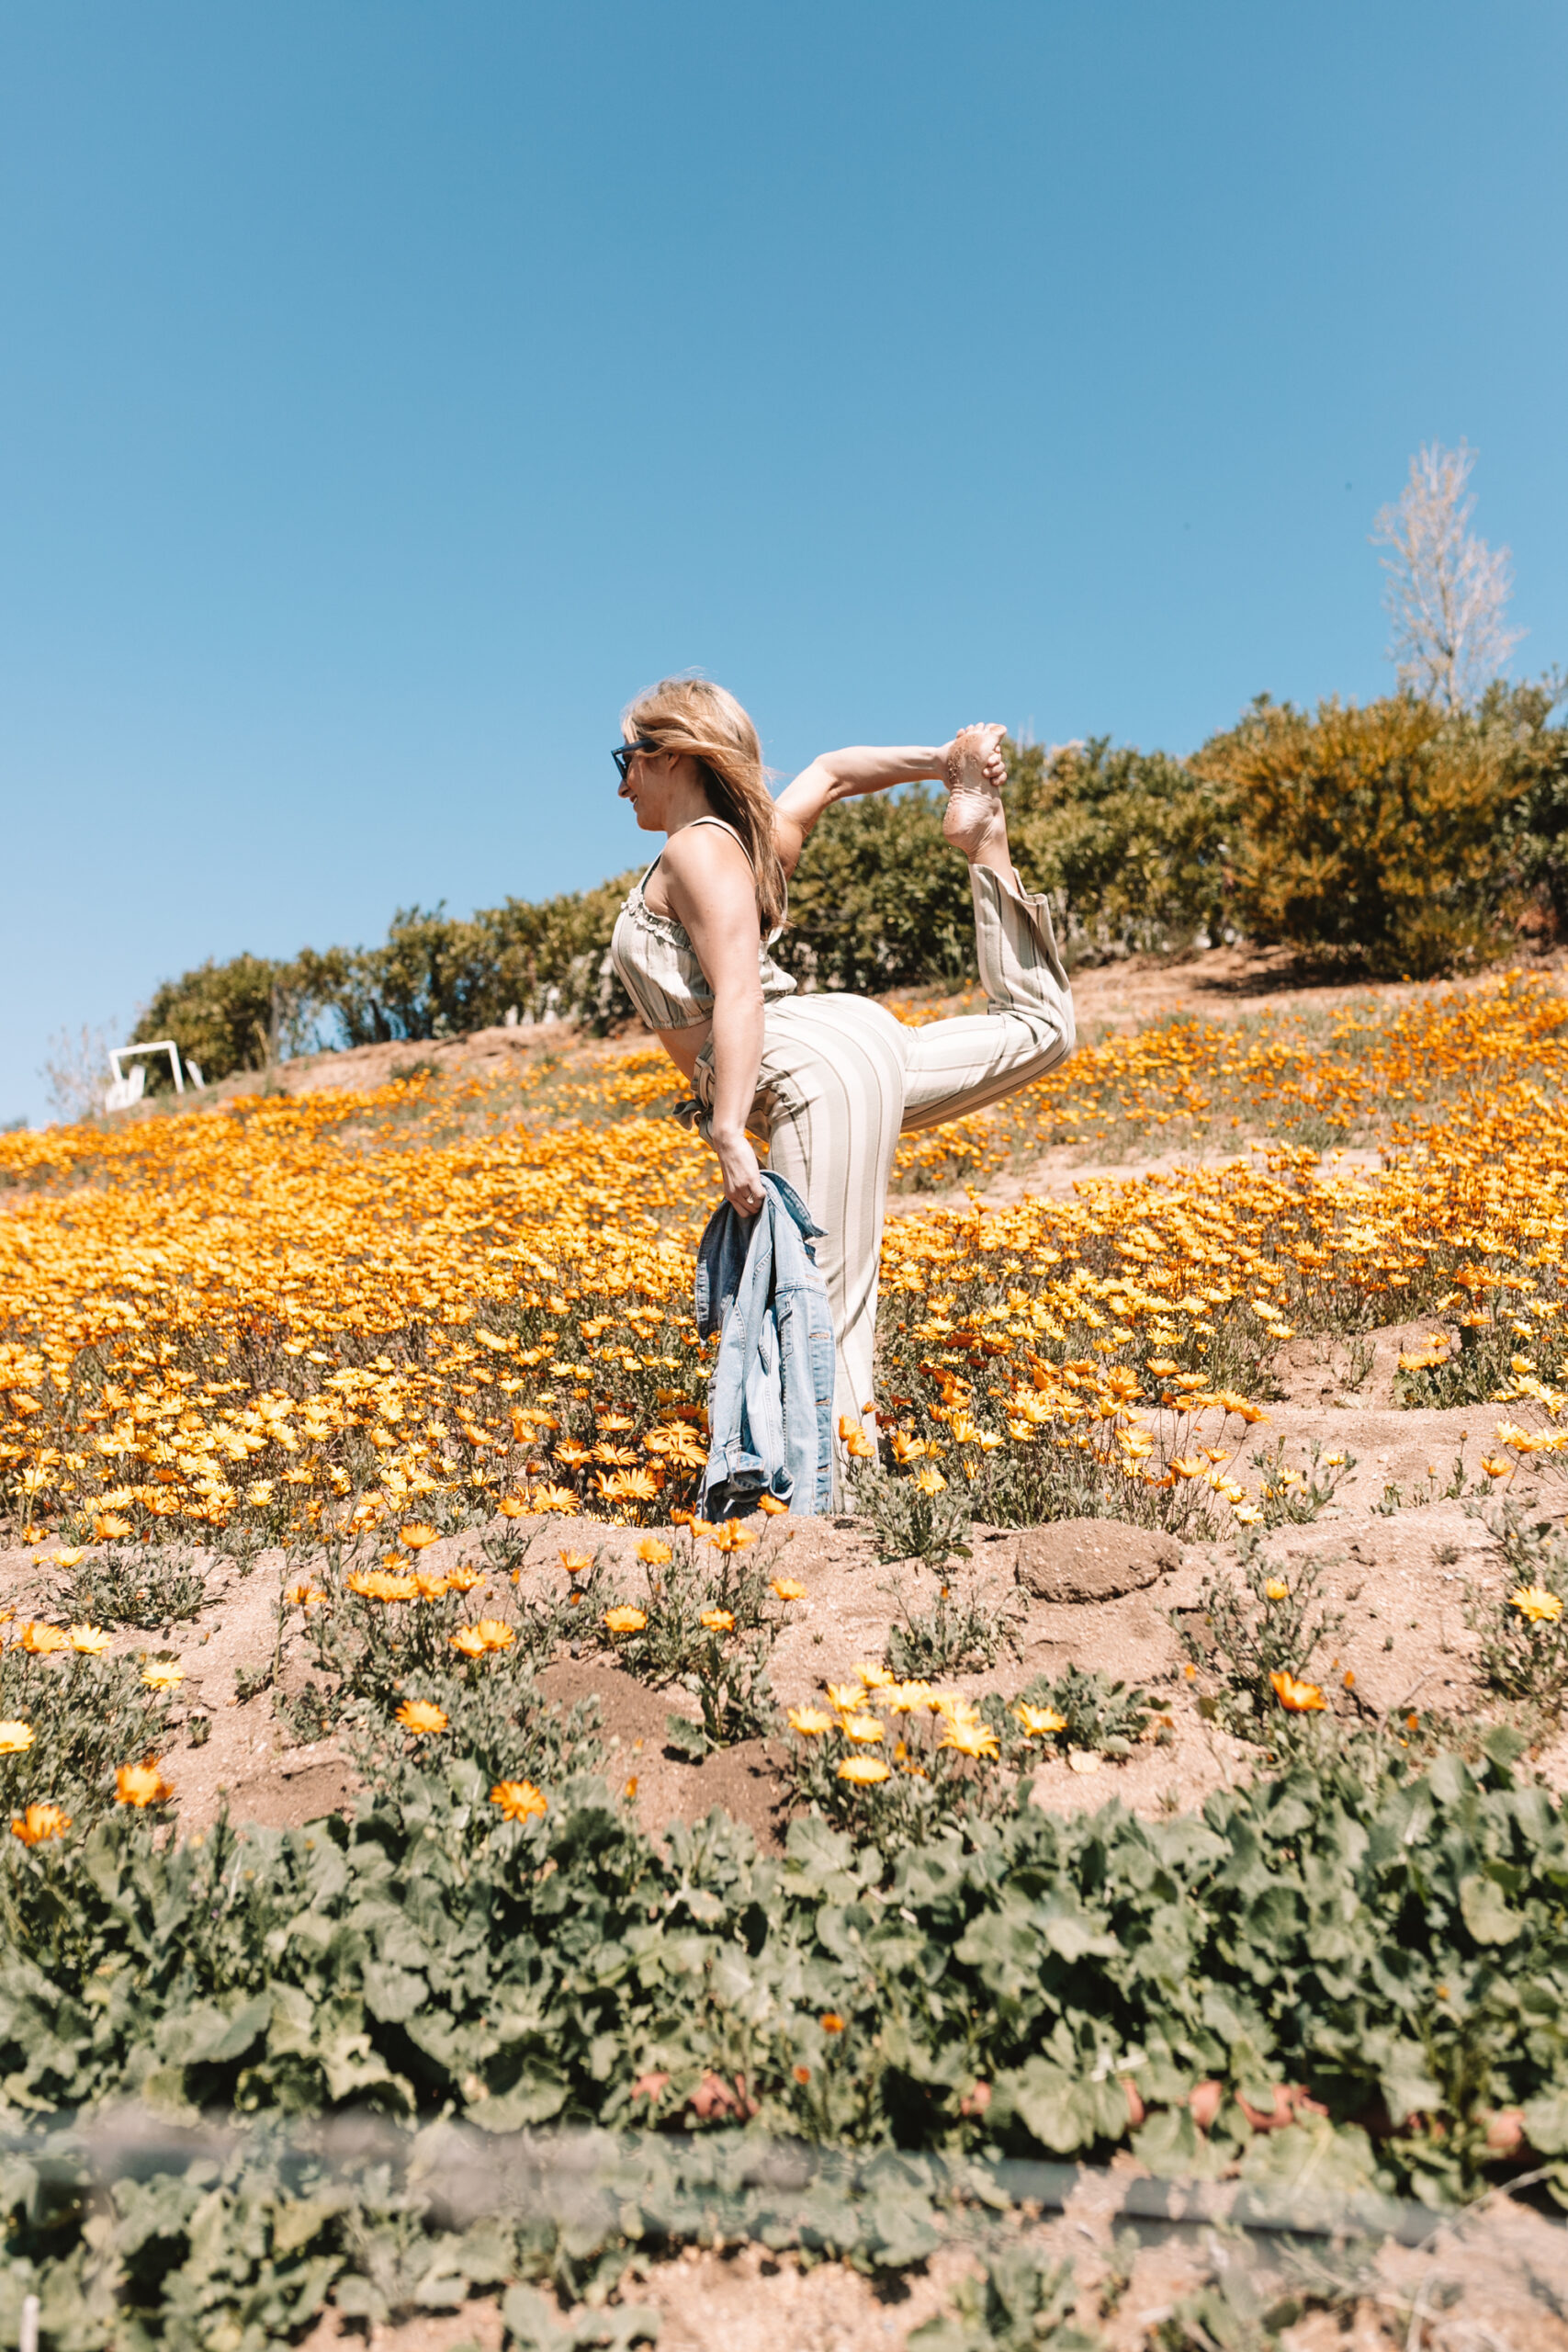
514	1507
38	1822
417	1536
463	1579
575	1563
718	1621
654	1551
487	1633
787	1589
110	1528
43	1641
519	1800
865	1772
831	2022
1297	1697
141	1784
770	1506
731	1536
418	1715
624	1620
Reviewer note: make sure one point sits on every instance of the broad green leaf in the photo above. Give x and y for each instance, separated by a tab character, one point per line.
1486	1911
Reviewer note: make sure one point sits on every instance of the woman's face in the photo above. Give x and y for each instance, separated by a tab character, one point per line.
647	785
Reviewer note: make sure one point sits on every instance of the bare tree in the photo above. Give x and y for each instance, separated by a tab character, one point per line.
1447	591
76	1071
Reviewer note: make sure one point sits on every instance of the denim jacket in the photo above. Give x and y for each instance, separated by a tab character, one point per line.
771	1402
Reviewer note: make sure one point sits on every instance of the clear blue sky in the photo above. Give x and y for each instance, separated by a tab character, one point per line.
389	392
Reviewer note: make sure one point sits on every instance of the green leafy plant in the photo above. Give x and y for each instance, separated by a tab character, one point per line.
913	1517
956	1634
145	1586
1294	1497
1522	1633
1273	1622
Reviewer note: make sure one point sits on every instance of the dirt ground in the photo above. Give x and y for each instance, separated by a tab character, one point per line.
1494	2279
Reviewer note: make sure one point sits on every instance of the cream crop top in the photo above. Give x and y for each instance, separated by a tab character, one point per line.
657	964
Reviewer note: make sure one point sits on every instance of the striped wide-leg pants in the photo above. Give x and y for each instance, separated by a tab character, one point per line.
842	1080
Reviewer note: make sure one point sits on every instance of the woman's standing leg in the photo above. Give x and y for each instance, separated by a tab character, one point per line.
832	1083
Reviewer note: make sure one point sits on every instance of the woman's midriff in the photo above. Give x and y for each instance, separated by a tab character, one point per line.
683	1046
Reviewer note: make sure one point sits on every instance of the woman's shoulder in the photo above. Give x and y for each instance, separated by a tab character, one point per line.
704	850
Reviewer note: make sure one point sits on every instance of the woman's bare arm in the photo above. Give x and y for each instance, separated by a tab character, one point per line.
847	775
708	882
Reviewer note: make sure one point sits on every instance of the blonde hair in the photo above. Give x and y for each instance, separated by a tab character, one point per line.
693	716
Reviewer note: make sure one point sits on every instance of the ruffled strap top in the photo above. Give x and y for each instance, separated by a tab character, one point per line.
657	964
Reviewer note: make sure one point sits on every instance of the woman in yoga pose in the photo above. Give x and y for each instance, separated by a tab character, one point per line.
828	1082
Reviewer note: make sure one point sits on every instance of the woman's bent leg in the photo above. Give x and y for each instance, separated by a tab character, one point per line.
832	1083
954	1067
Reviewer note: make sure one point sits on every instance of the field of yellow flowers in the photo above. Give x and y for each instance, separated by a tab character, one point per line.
290	1314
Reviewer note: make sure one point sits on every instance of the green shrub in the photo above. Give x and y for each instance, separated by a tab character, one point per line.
223	1017
1376	834
1132	846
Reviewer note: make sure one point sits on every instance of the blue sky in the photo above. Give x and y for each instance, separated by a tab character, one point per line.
389	392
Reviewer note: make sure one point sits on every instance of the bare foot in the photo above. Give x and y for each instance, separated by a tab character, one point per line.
974	820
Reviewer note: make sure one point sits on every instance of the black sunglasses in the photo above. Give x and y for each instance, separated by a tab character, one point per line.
625	754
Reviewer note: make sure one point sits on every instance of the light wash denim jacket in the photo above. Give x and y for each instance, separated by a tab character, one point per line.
771	1402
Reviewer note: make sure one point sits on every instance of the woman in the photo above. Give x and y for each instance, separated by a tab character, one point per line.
828	1082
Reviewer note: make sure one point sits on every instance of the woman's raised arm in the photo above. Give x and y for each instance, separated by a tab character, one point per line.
849	775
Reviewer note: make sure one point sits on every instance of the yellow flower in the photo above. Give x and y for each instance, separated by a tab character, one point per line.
1534	1601
161	1675
558	1501
863	1729
1297	1697
1249	1514
15	1738
418	1715
787	1589
874	1676
625	1620
810	1721
654	1550
416	1535
68	1560
631	1487
971	1739
928	1480
718	1621
904	1698
1276	1590
38	1822
846	1696
1038	1722
141	1784
91	1640
462	1579
865	1772
519	1800
110	1528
